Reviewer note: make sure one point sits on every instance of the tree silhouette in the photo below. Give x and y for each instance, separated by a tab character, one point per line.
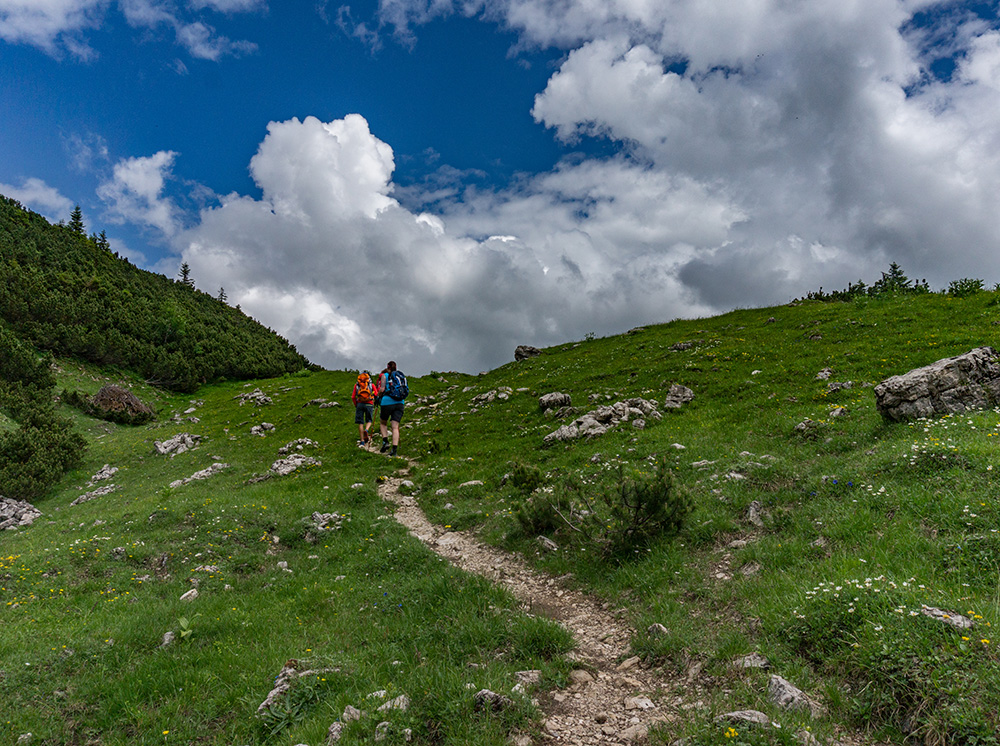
76	221
185	275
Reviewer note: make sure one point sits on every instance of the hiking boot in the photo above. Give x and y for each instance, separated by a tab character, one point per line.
393	451
385	446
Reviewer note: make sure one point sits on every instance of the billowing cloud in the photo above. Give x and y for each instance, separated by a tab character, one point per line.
51	25
40	197
135	192
764	148
59	26
328	257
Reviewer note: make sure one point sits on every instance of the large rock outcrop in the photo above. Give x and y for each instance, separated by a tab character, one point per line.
954	384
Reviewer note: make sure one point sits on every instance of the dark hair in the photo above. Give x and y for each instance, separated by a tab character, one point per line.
390	366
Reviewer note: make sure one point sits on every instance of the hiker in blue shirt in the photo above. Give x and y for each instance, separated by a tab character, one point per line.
392	390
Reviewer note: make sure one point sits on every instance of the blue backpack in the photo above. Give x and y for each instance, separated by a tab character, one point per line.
395	385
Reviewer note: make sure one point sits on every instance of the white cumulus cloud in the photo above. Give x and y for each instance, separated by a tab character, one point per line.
39	196
60	26
135	192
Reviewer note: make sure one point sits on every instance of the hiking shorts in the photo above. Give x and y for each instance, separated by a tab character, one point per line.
392	412
363	413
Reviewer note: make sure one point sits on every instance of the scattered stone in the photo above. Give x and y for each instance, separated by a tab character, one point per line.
639	703
256	396
600	420
950	385
15	513
754	513
335	732
473	483
168	638
327	521
678	396
554	400
351	713
99	492
523	352
638	732
297	445
106	472
839	386
285	466
489	700
118	554
824	374
25	738
283	682
747	717
629	663
807	428
657	630
754	660
401	703
178	444
533	676
806	738
503	394
580	676
547	544
681	346
382	730
191	595
203	474
262	429
789	697
955	620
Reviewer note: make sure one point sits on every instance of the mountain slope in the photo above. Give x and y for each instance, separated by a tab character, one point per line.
816	547
63	292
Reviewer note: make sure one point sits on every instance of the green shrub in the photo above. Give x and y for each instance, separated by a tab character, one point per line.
964	287
637	509
526	478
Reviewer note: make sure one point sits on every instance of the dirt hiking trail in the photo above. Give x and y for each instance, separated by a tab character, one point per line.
611	698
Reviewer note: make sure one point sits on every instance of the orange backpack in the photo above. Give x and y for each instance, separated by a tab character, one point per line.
363	392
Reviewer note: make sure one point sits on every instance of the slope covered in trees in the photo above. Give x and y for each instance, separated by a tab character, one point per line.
69	294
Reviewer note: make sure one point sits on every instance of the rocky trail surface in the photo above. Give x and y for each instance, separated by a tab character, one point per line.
611	698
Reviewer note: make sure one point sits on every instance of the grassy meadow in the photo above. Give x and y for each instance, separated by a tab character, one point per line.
861	524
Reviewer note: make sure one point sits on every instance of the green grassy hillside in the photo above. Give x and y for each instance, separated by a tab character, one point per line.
69	294
860	524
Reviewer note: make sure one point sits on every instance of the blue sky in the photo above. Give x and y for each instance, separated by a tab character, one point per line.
437	181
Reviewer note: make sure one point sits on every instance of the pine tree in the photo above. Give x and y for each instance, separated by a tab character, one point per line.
185	275
221	297
76	221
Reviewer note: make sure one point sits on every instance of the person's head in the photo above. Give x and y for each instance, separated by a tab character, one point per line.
390	366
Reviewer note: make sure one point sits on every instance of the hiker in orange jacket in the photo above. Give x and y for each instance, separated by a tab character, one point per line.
363	397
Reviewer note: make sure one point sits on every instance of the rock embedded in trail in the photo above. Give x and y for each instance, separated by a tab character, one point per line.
947	386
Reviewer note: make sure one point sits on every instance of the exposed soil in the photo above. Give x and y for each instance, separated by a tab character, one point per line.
612	699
